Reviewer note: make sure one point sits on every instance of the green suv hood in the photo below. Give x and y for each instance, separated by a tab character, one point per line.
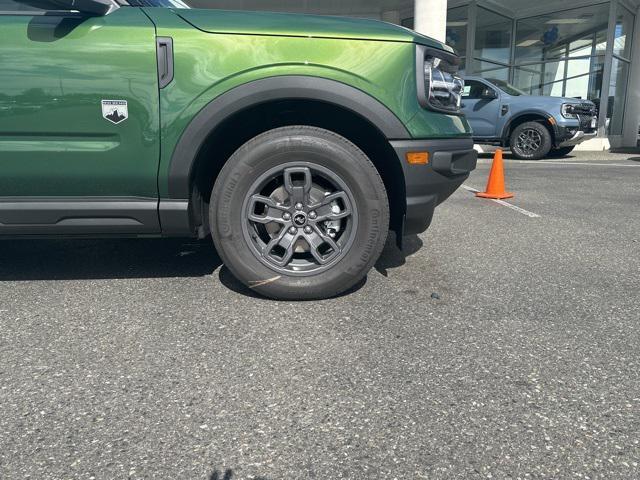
295	25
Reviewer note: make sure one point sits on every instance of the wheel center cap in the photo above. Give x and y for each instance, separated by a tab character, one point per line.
300	219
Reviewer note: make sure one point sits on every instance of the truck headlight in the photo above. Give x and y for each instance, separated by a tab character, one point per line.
439	86
568	110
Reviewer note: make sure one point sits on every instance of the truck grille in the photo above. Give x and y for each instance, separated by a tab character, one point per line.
586	109
586	112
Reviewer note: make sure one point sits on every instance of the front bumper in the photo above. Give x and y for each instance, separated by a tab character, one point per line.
576	139
427	186
572	132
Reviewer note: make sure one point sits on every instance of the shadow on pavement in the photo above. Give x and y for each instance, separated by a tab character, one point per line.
629	150
67	259
229	281
232	283
393	257
95	259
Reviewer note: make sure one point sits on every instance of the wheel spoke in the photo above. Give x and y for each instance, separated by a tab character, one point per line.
317	239
273	212
299	219
298	191
529	141
326	210
286	241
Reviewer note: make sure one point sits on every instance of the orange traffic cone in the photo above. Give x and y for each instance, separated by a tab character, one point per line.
495	185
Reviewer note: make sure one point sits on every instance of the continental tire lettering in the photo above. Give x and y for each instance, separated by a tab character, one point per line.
370	243
374	232
224	226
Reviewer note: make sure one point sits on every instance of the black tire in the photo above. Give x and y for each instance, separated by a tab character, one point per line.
560	152
305	156
530	141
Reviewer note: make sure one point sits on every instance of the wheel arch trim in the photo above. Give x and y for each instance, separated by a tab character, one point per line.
267	90
506	130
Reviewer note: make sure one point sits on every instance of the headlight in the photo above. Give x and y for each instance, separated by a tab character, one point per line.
441	88
568	110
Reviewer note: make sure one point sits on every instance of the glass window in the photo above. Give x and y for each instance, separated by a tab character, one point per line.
581	47
488	69
617	95
541	79
623	32
506	87
493	36
584	78
462	68
457	21
473	89
562	34
562	53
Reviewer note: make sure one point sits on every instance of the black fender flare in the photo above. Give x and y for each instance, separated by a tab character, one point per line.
267	90
540	113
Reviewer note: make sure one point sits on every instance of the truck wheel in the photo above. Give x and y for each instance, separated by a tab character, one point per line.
299	213
560	152
530	141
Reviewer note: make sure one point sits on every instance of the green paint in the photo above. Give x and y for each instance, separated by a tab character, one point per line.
294	25
55	72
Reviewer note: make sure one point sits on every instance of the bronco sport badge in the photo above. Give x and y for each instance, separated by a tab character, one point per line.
115	111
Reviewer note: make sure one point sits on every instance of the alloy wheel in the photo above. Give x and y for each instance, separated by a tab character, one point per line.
529	141
299	218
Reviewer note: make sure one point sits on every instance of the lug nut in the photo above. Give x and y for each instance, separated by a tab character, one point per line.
299	206
313	215
293	231
286	216
308	230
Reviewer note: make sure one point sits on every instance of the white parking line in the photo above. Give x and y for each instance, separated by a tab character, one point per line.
506	204
555	162
588	164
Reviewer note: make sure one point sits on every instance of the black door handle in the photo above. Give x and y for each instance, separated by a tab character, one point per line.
164	50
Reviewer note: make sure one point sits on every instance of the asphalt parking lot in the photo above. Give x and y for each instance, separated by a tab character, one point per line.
500	345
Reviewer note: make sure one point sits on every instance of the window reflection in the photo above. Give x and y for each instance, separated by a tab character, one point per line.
491	70
457	21
617	95
622	35
562	54
493	36
561	34
541	79
584	78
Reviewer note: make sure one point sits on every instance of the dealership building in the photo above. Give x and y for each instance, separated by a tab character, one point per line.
582	49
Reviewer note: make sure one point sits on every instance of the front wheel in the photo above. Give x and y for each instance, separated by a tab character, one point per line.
299	213
530	141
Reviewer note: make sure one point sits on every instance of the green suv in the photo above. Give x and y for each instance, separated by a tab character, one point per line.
296	142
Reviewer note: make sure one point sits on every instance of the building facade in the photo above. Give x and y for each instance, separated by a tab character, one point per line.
583	49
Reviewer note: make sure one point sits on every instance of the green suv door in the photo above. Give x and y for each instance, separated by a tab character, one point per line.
79	138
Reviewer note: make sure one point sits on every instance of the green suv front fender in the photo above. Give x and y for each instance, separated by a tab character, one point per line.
209	66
